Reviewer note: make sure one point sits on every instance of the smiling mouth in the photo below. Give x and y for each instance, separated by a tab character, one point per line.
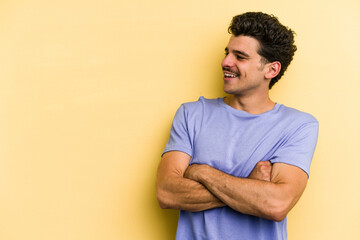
230	75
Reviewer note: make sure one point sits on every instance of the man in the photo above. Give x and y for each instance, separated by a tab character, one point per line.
235	166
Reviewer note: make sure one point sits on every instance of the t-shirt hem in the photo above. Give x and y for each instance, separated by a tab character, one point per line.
177	148
302	167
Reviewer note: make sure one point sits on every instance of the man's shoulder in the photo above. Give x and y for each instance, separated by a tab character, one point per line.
200	103
296	115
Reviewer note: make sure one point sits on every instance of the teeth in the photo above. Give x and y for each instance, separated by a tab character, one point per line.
229	75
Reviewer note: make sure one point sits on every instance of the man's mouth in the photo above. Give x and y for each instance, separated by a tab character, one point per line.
230	75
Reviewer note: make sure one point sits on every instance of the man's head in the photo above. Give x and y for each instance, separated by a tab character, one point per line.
276	40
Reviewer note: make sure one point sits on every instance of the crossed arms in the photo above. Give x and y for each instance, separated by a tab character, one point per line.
269	192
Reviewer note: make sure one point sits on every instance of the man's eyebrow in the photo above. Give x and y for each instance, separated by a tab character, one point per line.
241	53
238	52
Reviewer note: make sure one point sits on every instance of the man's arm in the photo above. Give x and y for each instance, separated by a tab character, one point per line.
271	200
176	192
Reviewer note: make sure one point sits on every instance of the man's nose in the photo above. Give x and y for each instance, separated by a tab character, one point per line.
227	61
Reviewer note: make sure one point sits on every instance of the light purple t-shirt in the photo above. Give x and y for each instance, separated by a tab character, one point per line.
233	141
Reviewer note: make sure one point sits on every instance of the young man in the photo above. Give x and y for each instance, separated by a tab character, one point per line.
235	166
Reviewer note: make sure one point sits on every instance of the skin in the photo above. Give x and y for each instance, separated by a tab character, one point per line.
271	200
249	90
176	191
271	190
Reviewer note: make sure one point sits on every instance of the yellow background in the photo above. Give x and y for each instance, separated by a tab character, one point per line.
88	90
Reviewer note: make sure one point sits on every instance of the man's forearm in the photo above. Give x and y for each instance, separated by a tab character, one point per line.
254	197
176	192
180	193
247	196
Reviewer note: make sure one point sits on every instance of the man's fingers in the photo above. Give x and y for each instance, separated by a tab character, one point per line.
262	171
264	163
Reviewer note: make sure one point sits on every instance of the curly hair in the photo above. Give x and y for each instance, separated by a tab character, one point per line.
276	40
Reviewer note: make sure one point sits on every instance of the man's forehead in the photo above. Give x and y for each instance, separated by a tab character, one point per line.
245	44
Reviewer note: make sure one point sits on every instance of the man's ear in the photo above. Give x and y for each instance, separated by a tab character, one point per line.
273	70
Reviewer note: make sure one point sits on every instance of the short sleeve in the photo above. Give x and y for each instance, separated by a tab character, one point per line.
298	149
179	139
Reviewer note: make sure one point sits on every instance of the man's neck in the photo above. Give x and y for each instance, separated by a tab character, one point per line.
250	104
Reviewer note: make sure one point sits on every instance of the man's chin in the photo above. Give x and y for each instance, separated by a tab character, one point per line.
228	90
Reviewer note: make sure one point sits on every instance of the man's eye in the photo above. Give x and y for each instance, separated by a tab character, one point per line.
239	57
226	53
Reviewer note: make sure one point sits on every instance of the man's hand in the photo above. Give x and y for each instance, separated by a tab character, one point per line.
262	171
195	170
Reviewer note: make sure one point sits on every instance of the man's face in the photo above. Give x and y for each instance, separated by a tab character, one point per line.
244	70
